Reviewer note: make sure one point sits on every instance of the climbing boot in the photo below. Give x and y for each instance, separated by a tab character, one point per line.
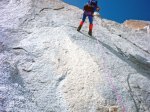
90	29
90	32
79	28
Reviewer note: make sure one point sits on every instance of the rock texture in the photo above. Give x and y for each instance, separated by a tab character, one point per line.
47	66
137	25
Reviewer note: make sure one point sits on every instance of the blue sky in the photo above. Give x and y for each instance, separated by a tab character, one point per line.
120	10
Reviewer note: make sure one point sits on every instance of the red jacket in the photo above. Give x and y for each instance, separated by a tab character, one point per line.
89	10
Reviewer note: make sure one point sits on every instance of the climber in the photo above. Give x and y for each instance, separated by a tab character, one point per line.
89	10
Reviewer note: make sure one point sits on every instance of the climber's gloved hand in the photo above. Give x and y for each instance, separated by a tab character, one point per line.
98	9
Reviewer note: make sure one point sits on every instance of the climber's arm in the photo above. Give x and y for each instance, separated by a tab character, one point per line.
98	8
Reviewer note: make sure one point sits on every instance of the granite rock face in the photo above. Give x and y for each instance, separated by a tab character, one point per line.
138	25
47	66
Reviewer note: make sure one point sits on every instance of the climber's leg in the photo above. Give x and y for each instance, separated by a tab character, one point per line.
91	25
82	22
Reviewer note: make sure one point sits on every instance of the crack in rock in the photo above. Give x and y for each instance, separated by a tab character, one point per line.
59	8
44	9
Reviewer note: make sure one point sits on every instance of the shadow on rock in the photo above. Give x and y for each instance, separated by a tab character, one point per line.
15	75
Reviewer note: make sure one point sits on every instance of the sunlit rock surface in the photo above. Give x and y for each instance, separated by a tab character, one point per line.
47	66
137	25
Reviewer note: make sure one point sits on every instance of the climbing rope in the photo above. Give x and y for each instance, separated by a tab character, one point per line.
110	79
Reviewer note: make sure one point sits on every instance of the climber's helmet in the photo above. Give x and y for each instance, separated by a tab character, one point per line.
93	3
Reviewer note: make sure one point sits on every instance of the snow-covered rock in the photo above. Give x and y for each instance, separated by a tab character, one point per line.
47	66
